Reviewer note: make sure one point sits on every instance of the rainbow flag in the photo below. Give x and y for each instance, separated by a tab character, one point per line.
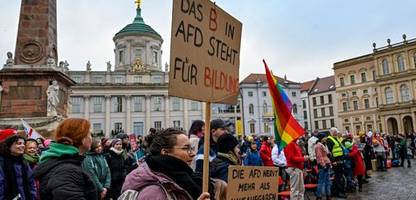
286	127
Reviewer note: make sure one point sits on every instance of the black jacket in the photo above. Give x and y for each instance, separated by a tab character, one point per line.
118	166
63	178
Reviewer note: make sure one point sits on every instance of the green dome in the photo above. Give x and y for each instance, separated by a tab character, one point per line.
138	27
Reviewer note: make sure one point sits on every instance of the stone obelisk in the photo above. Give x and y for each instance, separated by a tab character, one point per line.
33	85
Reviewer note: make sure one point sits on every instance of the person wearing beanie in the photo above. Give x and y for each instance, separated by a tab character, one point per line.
31	152
295	163
96	165
324	166
118	167
228	154
59	171
16	180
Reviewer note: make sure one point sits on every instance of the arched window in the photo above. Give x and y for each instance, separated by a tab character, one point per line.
295	109
389	95
404	93
385	67
265	110
251	109
400	63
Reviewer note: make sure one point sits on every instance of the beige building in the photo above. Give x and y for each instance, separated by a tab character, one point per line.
322	104
377	91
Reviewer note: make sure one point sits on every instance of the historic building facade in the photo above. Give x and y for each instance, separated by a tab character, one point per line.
305	120
133	97
257	106
377	91
322	106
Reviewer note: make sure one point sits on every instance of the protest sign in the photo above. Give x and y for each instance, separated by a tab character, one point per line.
205	52
252	182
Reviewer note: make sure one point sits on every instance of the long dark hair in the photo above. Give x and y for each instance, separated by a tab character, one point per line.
163	139
196	127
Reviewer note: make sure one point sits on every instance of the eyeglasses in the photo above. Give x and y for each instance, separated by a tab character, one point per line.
188	149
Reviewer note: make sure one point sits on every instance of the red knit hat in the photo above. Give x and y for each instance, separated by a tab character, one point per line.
5	133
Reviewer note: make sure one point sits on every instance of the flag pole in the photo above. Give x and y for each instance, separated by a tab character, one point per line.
207	139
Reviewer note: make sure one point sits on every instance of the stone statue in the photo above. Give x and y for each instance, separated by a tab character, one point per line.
10	60
89	66
51	62
53	98
66	68
138	66
166	67
61	66
108	66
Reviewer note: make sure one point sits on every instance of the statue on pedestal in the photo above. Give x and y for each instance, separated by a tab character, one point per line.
66	68
108	66
10	60
53	98
89	66
51	62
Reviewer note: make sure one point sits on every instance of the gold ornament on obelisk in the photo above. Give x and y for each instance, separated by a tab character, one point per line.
137	2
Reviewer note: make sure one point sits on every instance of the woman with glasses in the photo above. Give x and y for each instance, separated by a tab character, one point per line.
165	172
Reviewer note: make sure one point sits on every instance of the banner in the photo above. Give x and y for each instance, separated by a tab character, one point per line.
205	52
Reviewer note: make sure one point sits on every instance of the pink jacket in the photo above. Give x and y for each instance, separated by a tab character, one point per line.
321	153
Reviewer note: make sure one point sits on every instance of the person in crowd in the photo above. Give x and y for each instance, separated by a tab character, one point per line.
252	157
196	132
59	171
166	168
311	147
380	151
31	152
404	151
266	151
368	154
217	127
337	157
324	166
279	160
245	145
16	178
357	159
348	165
228	154
41	145
106	145
257	141
118	167
96	165
140	152
295	163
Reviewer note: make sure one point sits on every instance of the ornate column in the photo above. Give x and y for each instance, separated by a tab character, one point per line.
107	115
167	112
396	93
148	125
400	124
87	107
185	114
128	114
383	125
375	126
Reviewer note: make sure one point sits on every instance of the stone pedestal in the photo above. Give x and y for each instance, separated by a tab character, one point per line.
24	91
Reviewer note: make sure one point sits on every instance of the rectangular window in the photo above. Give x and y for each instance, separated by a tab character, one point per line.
341	81
303	103
155	58
365	91
345	106
321	100
266	127
158	125
250	93
354	93
314	101
306	125
138	79
97	79
252	128
97	104
293	94
156	79
264	93
176	104
138	54
315	113
121	57
305	114
352	79
374	75
117	102
332	123
323	112
194	105
118	127
355	103
331	111
96	128
119	79
137	104
316	125
329	98
366	103
138	128
363	77
157	103
176	124
76	104
323	124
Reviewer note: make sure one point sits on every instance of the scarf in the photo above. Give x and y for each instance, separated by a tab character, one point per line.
231	157
10	175
58	150
31	159
179	172
116	151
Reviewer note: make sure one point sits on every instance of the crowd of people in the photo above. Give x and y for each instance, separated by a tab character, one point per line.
168	163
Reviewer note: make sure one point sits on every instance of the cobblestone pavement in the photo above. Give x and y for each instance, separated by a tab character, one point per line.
396	184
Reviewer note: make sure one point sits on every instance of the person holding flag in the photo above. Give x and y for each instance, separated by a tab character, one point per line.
287	131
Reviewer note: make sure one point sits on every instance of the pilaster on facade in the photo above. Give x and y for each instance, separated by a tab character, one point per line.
167	111
128	113
87	107
148	108
185	114
107	115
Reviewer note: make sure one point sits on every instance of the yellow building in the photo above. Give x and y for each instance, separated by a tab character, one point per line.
377	91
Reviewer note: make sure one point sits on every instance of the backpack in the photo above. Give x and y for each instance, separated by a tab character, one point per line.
134	194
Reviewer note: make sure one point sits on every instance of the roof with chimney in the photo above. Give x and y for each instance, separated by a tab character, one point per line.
321	85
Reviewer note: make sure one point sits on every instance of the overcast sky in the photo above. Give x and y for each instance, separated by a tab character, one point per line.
301	39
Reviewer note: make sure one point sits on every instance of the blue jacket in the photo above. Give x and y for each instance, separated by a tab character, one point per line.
19	179
253	159
200	157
